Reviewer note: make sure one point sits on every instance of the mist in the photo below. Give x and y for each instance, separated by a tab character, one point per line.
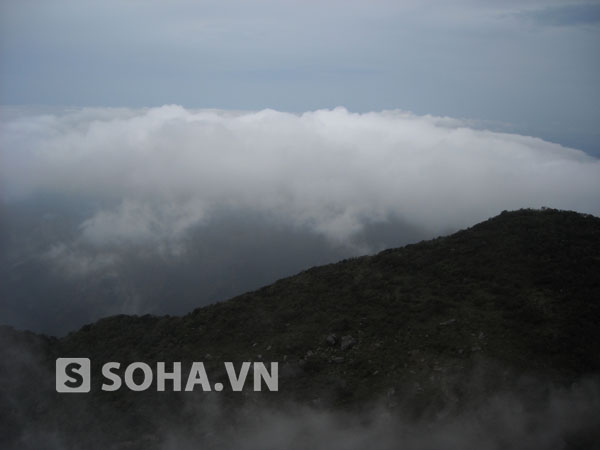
559	418
521	412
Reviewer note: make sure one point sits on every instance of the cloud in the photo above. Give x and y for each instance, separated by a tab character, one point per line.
72	262
152	174
566	15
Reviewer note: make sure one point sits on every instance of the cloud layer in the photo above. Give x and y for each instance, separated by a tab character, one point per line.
152	174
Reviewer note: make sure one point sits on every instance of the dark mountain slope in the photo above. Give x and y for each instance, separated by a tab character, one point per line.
511	304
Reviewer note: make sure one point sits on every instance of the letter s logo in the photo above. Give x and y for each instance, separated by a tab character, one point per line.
72	375
72	371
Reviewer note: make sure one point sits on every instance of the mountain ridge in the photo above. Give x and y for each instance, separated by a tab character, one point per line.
424	328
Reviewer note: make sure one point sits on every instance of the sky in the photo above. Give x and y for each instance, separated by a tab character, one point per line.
221	145
529	67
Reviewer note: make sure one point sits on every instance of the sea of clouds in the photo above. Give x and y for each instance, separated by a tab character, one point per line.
154	173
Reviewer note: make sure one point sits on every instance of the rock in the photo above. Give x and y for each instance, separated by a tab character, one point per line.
347	342
447	322
331	339
337	359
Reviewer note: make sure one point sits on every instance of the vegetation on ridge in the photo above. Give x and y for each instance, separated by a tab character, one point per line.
517	295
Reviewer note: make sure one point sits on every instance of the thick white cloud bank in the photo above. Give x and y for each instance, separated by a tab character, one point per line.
154	173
